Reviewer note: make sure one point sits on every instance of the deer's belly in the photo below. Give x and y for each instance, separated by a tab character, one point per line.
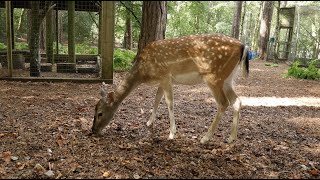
187	78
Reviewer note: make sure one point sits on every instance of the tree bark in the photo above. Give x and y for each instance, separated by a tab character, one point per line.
42	37
256	29
236	20
49	36
128	33
154	20
71	34
35	39
243	28
37	16
276	34
265	29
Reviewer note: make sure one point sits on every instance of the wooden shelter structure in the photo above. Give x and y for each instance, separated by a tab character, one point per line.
298	37
106	35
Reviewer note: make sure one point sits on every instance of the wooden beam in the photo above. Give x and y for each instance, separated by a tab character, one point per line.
9	37
58	79
107	39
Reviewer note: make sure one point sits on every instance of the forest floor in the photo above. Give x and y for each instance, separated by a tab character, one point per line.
45	127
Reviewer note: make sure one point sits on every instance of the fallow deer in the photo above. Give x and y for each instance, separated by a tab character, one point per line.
210	58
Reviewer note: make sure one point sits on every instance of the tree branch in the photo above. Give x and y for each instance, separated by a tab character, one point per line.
131	13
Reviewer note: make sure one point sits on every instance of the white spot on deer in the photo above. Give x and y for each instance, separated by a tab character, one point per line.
220	56
225	53
217	43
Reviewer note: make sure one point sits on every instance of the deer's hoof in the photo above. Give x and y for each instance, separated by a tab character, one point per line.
231	139
171	136
204	140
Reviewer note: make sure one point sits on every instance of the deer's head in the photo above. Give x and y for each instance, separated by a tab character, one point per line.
104	110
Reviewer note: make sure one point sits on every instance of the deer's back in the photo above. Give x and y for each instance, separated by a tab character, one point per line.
189	55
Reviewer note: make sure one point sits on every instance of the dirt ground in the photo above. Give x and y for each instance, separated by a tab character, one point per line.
45	128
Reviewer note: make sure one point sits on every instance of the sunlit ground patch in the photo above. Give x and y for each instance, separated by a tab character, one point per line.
276	101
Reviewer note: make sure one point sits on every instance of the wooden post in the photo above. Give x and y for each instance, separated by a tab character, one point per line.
71	34
107	39
9	37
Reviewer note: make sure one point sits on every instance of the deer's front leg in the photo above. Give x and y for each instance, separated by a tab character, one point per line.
168	94
155	106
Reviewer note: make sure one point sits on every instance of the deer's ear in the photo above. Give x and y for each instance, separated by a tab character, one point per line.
110	97
103	90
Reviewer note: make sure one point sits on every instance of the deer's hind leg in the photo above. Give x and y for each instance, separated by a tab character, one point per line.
221	101
236	105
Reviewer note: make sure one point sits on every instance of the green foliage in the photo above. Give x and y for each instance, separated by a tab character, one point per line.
311	72
2	46
82	48
122	59
21	46
199	17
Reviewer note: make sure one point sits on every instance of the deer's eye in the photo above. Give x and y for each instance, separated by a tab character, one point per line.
100	114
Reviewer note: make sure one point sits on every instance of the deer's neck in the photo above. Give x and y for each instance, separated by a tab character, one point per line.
126	86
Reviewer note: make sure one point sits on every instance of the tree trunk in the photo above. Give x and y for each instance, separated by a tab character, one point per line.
35	40
60	26
99	30
49	36
154	20
42	37
265	29
128	33
256	29
276	34
28	26
71	34
20	20
243	28
250	30
236	20
37	16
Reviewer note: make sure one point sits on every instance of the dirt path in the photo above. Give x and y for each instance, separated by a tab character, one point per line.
47	125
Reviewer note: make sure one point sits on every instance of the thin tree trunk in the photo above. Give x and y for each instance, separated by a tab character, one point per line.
28	26
275	54
236	20
128	33
256	29
265	29
154	20
42	37
242	34
20	20
71	34
60	25
49	36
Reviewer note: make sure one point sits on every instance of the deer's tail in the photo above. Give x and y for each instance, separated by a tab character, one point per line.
245	61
